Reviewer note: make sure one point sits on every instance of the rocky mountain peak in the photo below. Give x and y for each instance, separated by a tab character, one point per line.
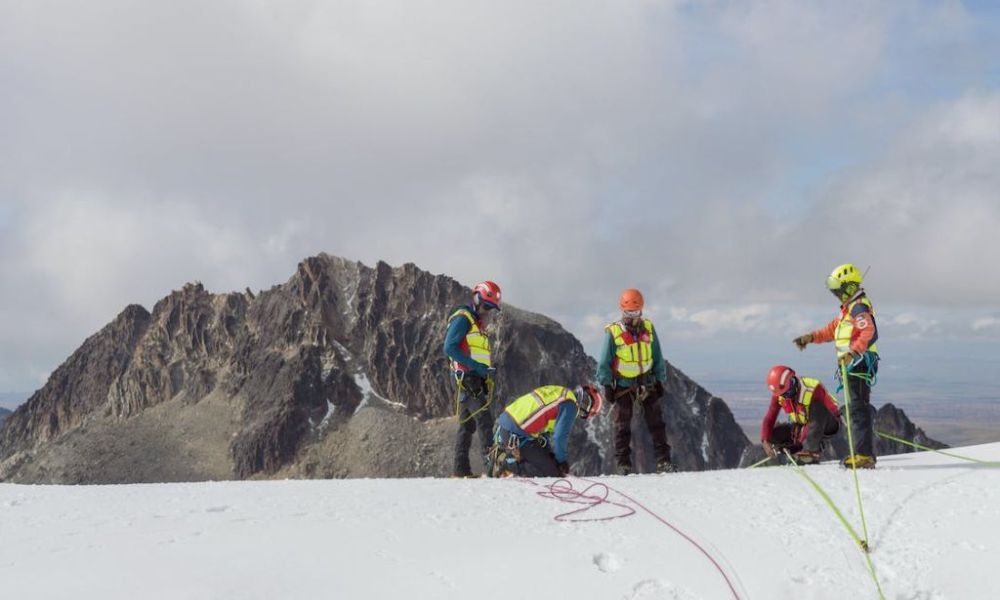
337	372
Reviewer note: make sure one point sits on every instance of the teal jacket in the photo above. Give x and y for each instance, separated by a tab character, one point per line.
605	376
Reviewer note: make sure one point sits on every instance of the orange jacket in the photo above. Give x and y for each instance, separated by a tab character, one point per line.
864	330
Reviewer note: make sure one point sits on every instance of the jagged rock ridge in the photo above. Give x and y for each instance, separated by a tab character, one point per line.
337	372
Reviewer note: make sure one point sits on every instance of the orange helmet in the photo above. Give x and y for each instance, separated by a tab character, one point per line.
487	293
781	380
589	400
631	299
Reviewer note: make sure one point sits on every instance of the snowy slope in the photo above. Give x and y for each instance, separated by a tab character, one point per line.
934	527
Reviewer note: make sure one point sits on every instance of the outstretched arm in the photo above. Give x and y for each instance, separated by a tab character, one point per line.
564	424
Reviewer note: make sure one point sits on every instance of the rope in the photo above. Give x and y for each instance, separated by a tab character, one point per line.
562	490
829	501
759	462
857	484
863	544
854	462
921	447
676	530
458	401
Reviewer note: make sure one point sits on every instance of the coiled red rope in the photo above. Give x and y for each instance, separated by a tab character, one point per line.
563	491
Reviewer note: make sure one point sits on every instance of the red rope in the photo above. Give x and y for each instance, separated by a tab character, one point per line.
562	490
690	540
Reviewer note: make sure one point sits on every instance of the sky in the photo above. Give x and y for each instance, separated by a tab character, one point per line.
932	523
721	156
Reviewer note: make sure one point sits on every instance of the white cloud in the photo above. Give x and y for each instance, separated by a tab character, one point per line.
986	323
566	149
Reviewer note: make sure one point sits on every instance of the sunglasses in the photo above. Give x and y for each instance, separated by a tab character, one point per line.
632	314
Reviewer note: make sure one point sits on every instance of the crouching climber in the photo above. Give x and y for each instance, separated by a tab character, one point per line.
532	433
813	416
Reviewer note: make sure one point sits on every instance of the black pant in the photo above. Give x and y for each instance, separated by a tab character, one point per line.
535	458
862	411
473	397
822	426
622	415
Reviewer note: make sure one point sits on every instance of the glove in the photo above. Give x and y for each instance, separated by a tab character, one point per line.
803	340
491	374
658	389
482	370
563	468
769	449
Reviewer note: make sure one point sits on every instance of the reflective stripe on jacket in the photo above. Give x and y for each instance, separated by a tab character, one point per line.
798	411
536	412
846	332
633	355
476	344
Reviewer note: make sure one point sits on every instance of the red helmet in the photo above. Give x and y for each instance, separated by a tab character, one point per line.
487	293
781	379
631	300
589	400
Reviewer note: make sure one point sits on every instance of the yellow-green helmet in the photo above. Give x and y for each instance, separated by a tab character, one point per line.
844	281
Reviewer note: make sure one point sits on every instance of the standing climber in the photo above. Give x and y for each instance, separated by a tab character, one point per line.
467	345
813	416
532	433
632	372
854	333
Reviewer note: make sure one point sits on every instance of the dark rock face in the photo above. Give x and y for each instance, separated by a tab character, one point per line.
244	385
893	421
77	388
3	415
335	336
701	430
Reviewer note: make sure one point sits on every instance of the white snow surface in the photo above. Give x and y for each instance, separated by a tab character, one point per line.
933	522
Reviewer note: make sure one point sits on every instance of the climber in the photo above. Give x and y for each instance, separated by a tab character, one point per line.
813	416
532	433
632	371
854	334
468	347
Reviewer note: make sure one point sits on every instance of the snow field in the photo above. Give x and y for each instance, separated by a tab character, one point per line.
934	525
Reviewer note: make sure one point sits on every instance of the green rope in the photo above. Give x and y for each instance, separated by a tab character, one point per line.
485	406
759	462
862	544
850	442
921	447
829	501
857	484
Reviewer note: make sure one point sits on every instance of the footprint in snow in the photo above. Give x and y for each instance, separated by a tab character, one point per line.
216	509
656	589
607	563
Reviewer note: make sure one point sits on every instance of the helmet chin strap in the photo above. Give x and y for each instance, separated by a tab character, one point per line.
847	299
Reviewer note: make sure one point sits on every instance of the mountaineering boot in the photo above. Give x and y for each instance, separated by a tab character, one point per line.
665	466
861	461
623	469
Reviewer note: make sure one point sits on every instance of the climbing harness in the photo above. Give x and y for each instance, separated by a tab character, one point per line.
870	374
460	380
